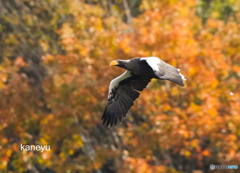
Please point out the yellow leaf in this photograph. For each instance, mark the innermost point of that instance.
(196, 108)
(187, 153)
(185, 134)
(215, 83)
(174, 91)
(61, 155)
(194, 143)
(9, 152)
(191, 71)
(212, 112)
(71, 152)
(97, 165)
(4, 140)
(43, 141)
(206, 153)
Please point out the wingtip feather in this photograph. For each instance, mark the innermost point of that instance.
(183, 77)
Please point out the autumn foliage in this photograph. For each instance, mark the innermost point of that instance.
(169, 129)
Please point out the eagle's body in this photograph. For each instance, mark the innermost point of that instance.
(140, 68)
(123, 90)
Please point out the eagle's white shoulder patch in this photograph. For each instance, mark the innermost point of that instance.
(152, 62)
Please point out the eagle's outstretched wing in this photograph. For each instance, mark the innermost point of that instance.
(123, 91)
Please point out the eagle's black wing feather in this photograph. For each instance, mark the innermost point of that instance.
(122, 98)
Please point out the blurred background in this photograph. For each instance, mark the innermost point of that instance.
(54, 78)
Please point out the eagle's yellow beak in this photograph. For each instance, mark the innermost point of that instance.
(113, 63)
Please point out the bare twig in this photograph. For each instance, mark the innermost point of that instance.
(127, 11)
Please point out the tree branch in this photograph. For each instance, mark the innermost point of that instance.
(127, 12)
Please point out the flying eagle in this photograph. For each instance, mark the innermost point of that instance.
(123, 90)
